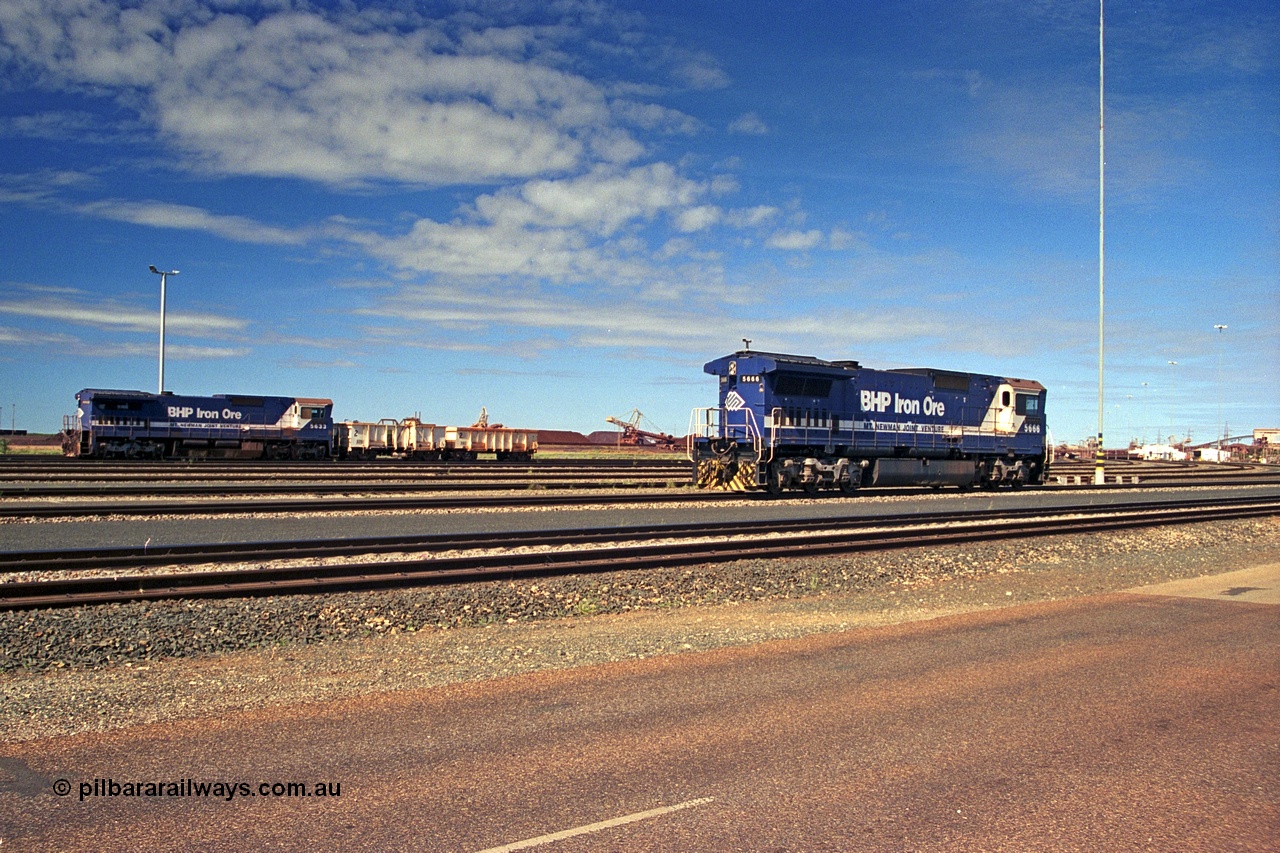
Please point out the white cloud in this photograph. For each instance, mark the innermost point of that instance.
(698, 218)
(41, 188)
(188, 352)
(623, 323)
(28, 338)
(795, 241)
(753, 217)
(164, 215)
(340, 98)
(578, 321)
(656, 118)
(80, 126)
(50, 190)
(841, 239)
(113, 316)
(750, 124)
(703, 73)
(557, 230)
(356, 99)
(601, 202)
(486, 249)
(298, 95)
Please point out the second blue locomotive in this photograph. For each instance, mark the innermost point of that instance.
(796, 422)
(135, 424)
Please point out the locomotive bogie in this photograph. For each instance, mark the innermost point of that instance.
(799, 423)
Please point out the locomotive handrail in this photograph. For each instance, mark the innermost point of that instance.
(702, 426)
(774, 417)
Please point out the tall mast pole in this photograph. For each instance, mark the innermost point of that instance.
(1099, 472)
(164, 275)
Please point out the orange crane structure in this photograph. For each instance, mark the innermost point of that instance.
(633, 436)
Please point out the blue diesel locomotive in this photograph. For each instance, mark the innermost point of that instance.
(136, 424)
(797, 422)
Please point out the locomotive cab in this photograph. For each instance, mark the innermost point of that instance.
(1016, 403)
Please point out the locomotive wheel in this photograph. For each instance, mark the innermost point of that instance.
(776, 484)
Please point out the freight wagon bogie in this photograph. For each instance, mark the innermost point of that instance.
(789, 423)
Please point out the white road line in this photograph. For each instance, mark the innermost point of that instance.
(596, 827)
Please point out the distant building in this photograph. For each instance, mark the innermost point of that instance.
(1266, 445)
(1213, 454)
(1162, 452)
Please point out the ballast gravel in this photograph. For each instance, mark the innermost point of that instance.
(65, 671)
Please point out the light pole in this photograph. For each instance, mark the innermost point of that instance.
(1144, 413)
(163, 277)
(1219, 427)
(1128, 417)
(1173, 406)
(1099, 473)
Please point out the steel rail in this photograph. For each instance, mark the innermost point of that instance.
(632, 555)
(1223, 473)
(46, 482)
(551, 483)
(373, 500)
(296, 506)
(281, 486)
(65, 468)
(337, 473)
(79, 559)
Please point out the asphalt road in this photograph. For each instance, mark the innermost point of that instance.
(1133, 721)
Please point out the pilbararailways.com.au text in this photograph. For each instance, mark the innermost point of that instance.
(197, 789)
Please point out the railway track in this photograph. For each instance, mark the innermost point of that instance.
(348, 499)
(59, 480)
(55, 481)
(1183, 473)
(24, 483)
(434, 559)
(380, 486)
(511, 498)
(59, 468)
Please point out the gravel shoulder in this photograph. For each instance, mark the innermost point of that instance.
(67, 672)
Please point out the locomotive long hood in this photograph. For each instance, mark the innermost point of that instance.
(753, 362)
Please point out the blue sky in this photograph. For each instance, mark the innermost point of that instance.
(561, 210)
